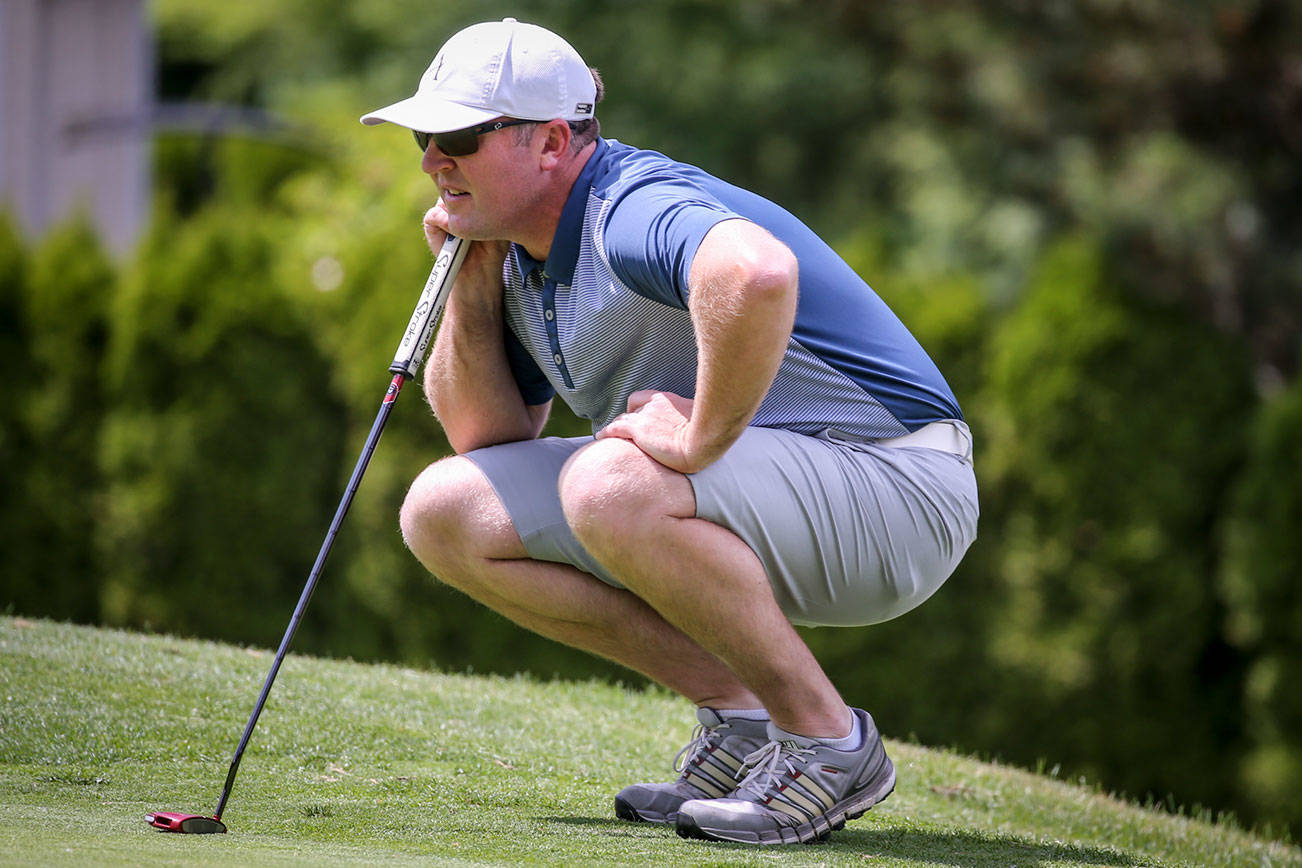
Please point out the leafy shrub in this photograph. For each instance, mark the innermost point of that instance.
(1115, 430)
(1261, 580)
(221, 449)
(55, 306)
(16, 582)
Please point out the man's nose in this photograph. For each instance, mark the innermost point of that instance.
(434, 160)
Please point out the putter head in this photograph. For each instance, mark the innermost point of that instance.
(188, 824)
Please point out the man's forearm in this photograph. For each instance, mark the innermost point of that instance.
(742, 311)
(469, 384)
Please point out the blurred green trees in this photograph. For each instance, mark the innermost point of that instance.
(55, 305)
(223, 442)
(1087, 212)
(1113, 473)
(1260, 576)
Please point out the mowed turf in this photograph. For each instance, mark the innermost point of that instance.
(370, 764)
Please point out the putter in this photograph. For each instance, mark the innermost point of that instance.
(411, 351)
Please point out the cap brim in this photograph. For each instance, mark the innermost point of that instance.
(429, 115)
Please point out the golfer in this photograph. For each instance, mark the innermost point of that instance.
(770, 445)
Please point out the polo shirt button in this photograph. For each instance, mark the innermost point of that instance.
(551, 314)
(557, 358)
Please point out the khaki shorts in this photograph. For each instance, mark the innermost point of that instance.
(849, 533)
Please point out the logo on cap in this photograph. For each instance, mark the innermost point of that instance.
(583, 108)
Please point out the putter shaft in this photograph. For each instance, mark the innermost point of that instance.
(411, 351)
(377, 428)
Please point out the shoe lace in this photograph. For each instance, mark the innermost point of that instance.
(763, 767)
(702, 739)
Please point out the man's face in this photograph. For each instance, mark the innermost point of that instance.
(487, 193)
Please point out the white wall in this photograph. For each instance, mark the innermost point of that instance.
(75, 110)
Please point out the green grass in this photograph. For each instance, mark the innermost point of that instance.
(384, 765)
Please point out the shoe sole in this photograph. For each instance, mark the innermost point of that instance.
(815, 831)
(625, 811)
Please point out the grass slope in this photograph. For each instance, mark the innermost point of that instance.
(383, 765)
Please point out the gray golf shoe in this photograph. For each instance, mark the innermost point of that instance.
(796, 790)
(710, 768)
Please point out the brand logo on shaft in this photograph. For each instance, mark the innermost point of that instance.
(417, 318)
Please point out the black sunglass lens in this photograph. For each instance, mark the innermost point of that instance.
(458, 143)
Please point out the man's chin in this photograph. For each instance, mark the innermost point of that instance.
(472, 231)
(465, 228)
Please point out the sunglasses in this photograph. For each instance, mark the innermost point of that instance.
(462, 143)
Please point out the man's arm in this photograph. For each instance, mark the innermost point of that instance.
(742, 297)
(468, 381)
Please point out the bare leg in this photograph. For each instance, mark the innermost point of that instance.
(637, 518)
(454, 523)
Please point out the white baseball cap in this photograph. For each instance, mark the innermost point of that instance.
(493, 69)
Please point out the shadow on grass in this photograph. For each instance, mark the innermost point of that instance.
(969, 849)
(612, 828)
(961, 849)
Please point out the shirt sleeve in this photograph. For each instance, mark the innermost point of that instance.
(534, 387)
(652, 234)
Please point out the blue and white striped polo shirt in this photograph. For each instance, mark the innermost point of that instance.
(606, 314)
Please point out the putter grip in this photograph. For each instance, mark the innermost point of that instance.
(415, 340)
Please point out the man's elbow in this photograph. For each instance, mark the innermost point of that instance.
(468, 431)
(771, 275)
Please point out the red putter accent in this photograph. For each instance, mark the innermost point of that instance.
(404, 365)
(394, 388)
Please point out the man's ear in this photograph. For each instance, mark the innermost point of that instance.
(556, 143)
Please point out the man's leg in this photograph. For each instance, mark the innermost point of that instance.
(457, 527)
(823, 764)
(637, 518)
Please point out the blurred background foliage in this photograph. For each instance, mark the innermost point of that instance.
(1087, 211)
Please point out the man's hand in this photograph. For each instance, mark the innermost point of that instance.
(660, 424)
(483, 264)
(743, 288)
(468, 381)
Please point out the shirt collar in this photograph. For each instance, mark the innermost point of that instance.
(564, 253)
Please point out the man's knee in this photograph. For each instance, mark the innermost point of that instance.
(609, 486)
(451, 514)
